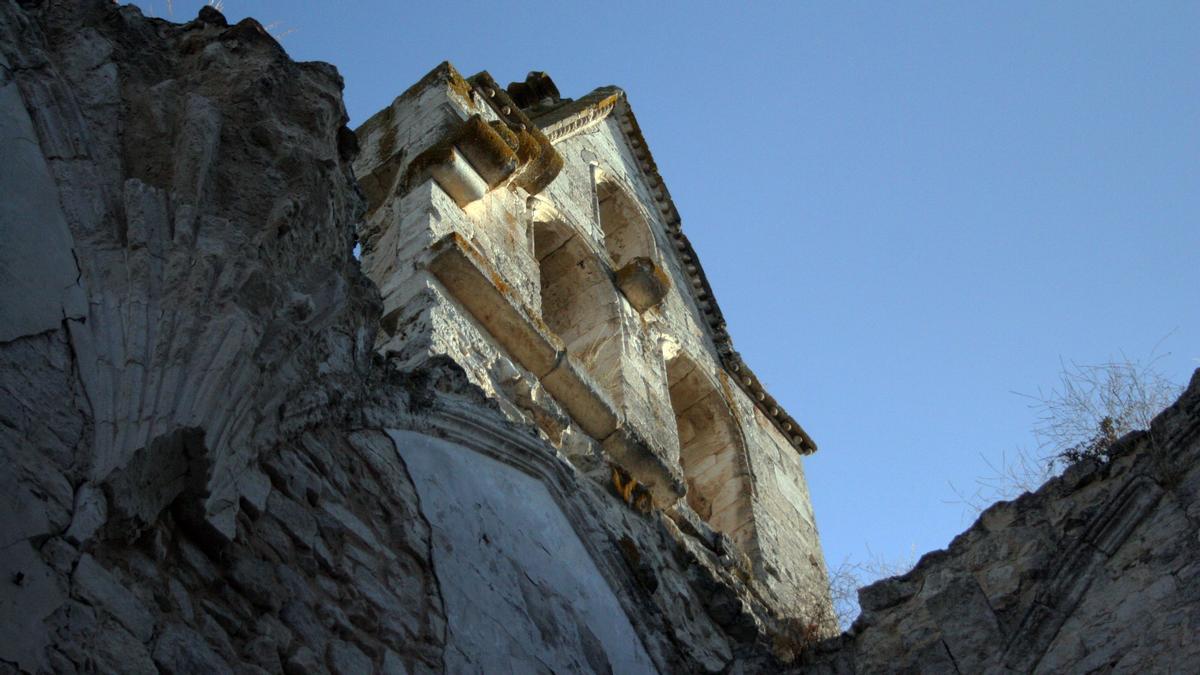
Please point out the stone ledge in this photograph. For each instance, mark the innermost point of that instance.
(479, 287)
(482, 291)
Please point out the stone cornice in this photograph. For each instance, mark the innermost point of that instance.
(574, 117)
(569, 119)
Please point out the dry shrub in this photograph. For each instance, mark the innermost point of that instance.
(847, 578)
(1092, 407)
(1095, 405)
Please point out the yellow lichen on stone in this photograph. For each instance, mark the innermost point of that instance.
(488, 152)
(630, 490)
(486, 149)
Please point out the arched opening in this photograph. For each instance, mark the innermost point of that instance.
(626, 233)
(580, 303)
(711, 453)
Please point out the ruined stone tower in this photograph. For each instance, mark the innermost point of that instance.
(530, 239)
(528, 446)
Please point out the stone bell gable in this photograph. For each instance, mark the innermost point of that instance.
(528, 446)
(531, 239)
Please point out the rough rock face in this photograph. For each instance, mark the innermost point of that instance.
(207, 468)
(185, 235)
(1098, 571)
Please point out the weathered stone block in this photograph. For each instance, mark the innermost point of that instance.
(643, 283)
(92, 582)
(346, 659)
(180, 651)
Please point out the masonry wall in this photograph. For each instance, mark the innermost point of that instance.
(1098, 571)
(572, 193)
(208, 467)
(552, 257)
(785, 543)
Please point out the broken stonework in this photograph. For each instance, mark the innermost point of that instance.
(1098, 571)
(581, 287)
(227, 450)
(209, 468)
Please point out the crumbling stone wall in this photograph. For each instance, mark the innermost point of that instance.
(1098, 571)
(207, 467)
(568, 305)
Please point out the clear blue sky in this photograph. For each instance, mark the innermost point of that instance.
(908, 211)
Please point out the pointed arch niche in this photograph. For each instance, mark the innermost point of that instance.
(580, 303)
(711, 452)
(627, 235)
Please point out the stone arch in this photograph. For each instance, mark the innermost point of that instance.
(627, 234)
(711, 452)
(579, 302)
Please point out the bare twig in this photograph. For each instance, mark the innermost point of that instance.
(1092, 406)
(1007, 477)
(1095, 405)
(277, 31)
(846, 579)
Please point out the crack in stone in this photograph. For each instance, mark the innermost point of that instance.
(953, 661)
(444, 637)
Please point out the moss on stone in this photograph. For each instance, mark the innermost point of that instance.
(487, 151)
(540, 162)
(458, 84)
(442, 73)
(494, 149)
(510, 137)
